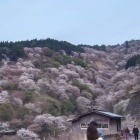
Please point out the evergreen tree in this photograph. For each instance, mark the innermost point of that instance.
(133, 61)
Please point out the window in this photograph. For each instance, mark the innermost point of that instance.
(84, 126)
(101, 125)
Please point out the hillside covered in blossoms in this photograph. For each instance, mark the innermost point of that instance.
(44, 84)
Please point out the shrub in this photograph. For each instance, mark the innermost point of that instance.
(51, 63)
(52, 129)
(94, 66)
(94, 95)
(6, 112)
(48, 52)
(49, 105)
(45, 64)
(80, 62)
(62, 59)
(28, 96)
(57, 57)
(37, 77)
(54, 64)
(67, 107)
(15, 123)
(10, 86)
(86, 95)
(128, 88)
(37, 63)
(66, 59)
(22, 111)
(80, 86)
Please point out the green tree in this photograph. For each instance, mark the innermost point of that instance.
(133, 61)
(22, 111)
(80, 86)
(6, 112)
(28, 96)
(48, 52)
(80, 62)
(67, 107)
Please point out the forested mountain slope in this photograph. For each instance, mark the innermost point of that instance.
(64, 79)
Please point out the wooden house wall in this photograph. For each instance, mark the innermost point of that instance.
(114, 125)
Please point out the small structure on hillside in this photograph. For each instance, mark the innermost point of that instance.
(5, 130)
(110, 123)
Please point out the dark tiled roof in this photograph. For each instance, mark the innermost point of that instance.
(109, 114)
(104, 113)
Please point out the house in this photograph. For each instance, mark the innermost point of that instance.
(110, 123)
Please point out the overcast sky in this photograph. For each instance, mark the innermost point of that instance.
(76, 21)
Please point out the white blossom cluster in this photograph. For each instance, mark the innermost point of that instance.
(49, 120)
(33, 52)
(26, 82)
(26, 134)
(32, 107)
(4, 125)
(4, 97)
(17, 101)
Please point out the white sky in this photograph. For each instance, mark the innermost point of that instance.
(76, 21)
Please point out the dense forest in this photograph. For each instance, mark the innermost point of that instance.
(14, 50)
(97, 47)
(50, 43)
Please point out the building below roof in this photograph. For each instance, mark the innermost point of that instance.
(109, 122)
